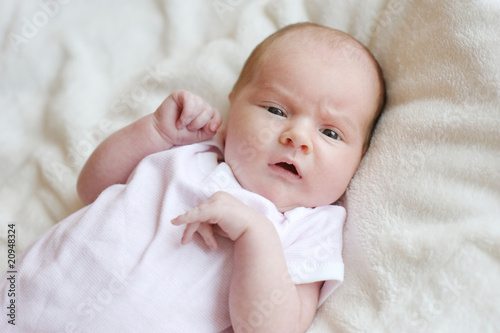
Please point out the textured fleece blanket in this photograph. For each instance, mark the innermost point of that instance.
(422, 237)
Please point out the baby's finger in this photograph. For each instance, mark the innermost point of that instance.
(207, 233)
(218, 230)
(216, 121)
(192, 106)
(191, 228)
(202, 213)
(201, 120)
(191, 216)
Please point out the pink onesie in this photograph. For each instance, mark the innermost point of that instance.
(117, 265)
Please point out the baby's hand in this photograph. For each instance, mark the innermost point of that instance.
(185, 118)
(221, 213)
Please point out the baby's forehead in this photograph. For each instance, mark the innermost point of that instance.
(331, 45)
(334, 49)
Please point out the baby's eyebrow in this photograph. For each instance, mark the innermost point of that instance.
(275, 90)
(329, 114)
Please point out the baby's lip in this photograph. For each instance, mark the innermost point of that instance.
(290, 166)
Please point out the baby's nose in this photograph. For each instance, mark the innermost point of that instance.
(298, 139)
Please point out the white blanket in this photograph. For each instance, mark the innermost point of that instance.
(422, 238)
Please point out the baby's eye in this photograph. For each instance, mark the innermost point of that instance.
(331, 134)
(275, 111)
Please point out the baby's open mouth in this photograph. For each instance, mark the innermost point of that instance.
(289, 167)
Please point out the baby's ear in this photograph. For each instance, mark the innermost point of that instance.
(230, 96)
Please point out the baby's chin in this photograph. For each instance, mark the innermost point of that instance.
(285, 202)
(281, 203)
(287, 205)
(284, 206)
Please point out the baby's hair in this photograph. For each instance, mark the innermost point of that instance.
(350, 46)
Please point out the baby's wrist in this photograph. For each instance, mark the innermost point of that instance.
(256, 227)
(165, 140)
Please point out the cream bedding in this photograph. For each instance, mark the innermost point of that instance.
(422, 238)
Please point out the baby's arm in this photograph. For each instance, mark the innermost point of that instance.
(263, 297)
(183, 118)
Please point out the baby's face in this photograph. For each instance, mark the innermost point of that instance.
(296, 131)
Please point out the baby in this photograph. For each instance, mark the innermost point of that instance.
(261, 235)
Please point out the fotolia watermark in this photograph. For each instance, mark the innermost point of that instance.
(223, 7)
(94, 305)
(263, 310)
(31, 26)
(121, 108)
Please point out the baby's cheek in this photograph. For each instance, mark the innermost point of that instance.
(330, 187)
(263, 134)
